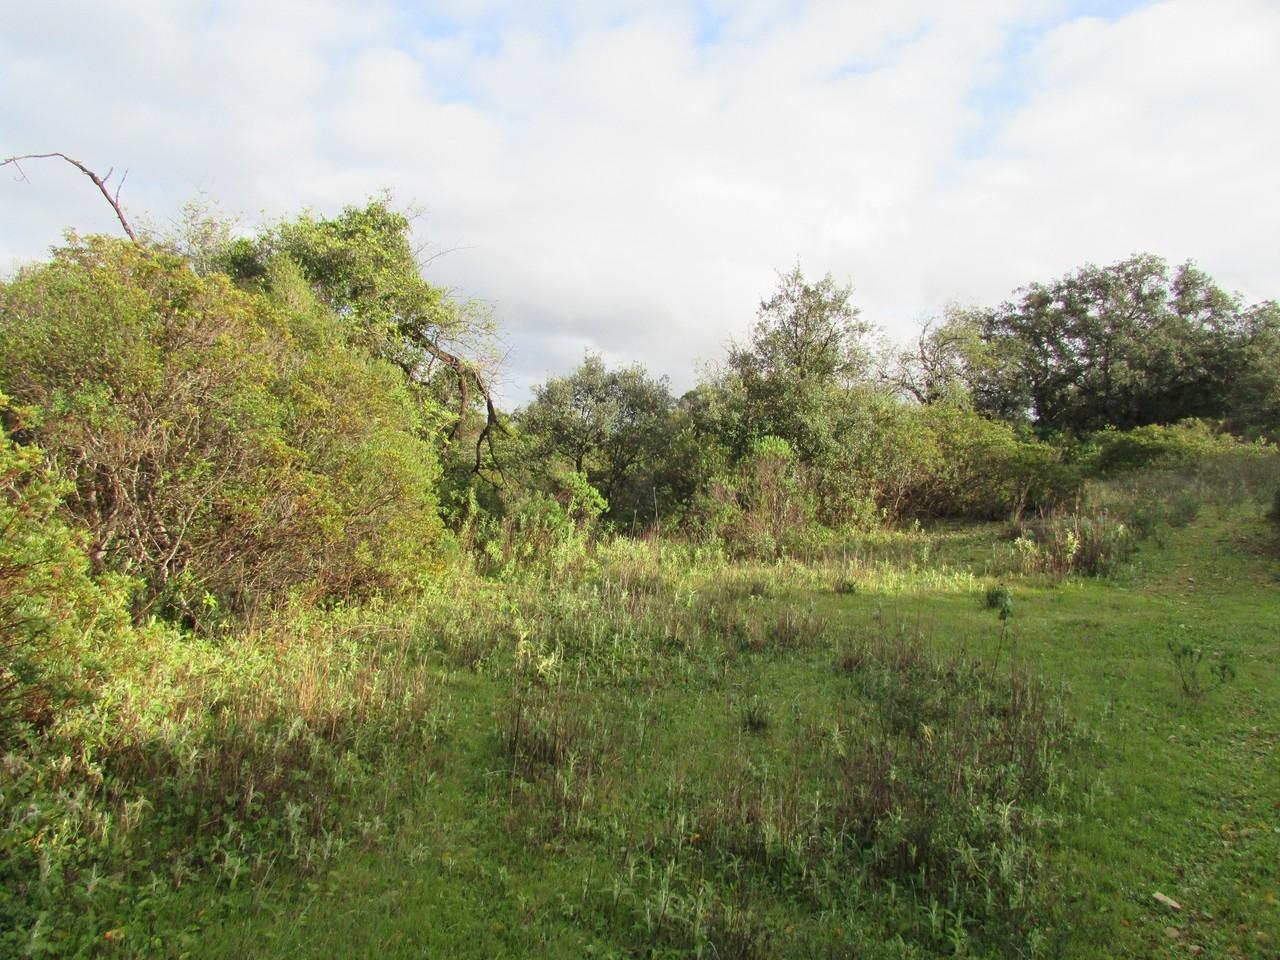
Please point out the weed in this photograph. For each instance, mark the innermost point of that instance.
(1188, 662)
(998, 597)
(1096, 546)
(755, 716)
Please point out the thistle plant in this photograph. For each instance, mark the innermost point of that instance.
(1188, 662)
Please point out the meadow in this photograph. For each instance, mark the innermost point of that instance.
(307, 649)
(952, 740)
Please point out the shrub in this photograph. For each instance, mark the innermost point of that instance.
(1159, 446)
(221, 447)
(942, 460)
(1096, 546)
(999, 598)
(764, 510)
(54, 618)
(549, 533)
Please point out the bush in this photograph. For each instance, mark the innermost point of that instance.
(998, 597)
(942, 460)
(764, 510)
(54, 619)
(1159, 447)
(221, 447)
(549, 533)
(1094, 546)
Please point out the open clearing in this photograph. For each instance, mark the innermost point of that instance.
(667, 802)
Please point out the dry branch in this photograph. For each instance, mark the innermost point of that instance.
(99, 182)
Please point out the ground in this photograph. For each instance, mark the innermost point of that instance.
(562, 817)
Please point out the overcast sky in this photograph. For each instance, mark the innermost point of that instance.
(628, 177)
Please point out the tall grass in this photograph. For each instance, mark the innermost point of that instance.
(203, 758)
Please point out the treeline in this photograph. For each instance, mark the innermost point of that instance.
(810, 427)
(228, 421)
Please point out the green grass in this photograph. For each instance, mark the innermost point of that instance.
(1165, 793)
(670, 755)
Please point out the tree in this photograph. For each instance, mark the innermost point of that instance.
(939, 364)
(806, 345)
(1123, 345)
(609, 425)
(1254, 395)
(362, 265)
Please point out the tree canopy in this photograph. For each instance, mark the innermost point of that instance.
(1124, 345)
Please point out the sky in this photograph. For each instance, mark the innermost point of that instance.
(629, 178)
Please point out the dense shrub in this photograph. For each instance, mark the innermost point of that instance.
(1159, 447)
(764, 509)
(545, 532)
(939, 460)
(221, 446)
(54, 618)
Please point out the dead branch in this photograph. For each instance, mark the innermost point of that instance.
(467, 377)
(99, 182)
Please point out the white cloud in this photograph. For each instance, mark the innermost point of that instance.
(617, 180)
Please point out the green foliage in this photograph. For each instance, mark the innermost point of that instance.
(551, 533)
(1254, 396)
(217, 443)
(611, 426)
(1096, 546)
(928, 780)
(54, 618)
(806, 344)
(204, 762)
(1156, 446)
(763, 509)
(362, 265)
(1000, 599)
(256, 453)
(1122, 346)
(939, 460)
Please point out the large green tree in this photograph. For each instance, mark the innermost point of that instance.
(1123, 345)
(613, 426)
(1254, 393)
(362, 265)
(807, 345)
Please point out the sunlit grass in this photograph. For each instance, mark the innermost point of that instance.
(668, 753)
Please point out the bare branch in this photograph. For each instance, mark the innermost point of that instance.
(468, 377)
(99, 182)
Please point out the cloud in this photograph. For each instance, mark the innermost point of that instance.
(627, 177)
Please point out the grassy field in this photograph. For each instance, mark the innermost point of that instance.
(673, 755)
(980, 740)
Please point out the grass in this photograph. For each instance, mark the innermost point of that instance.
(672, 755)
